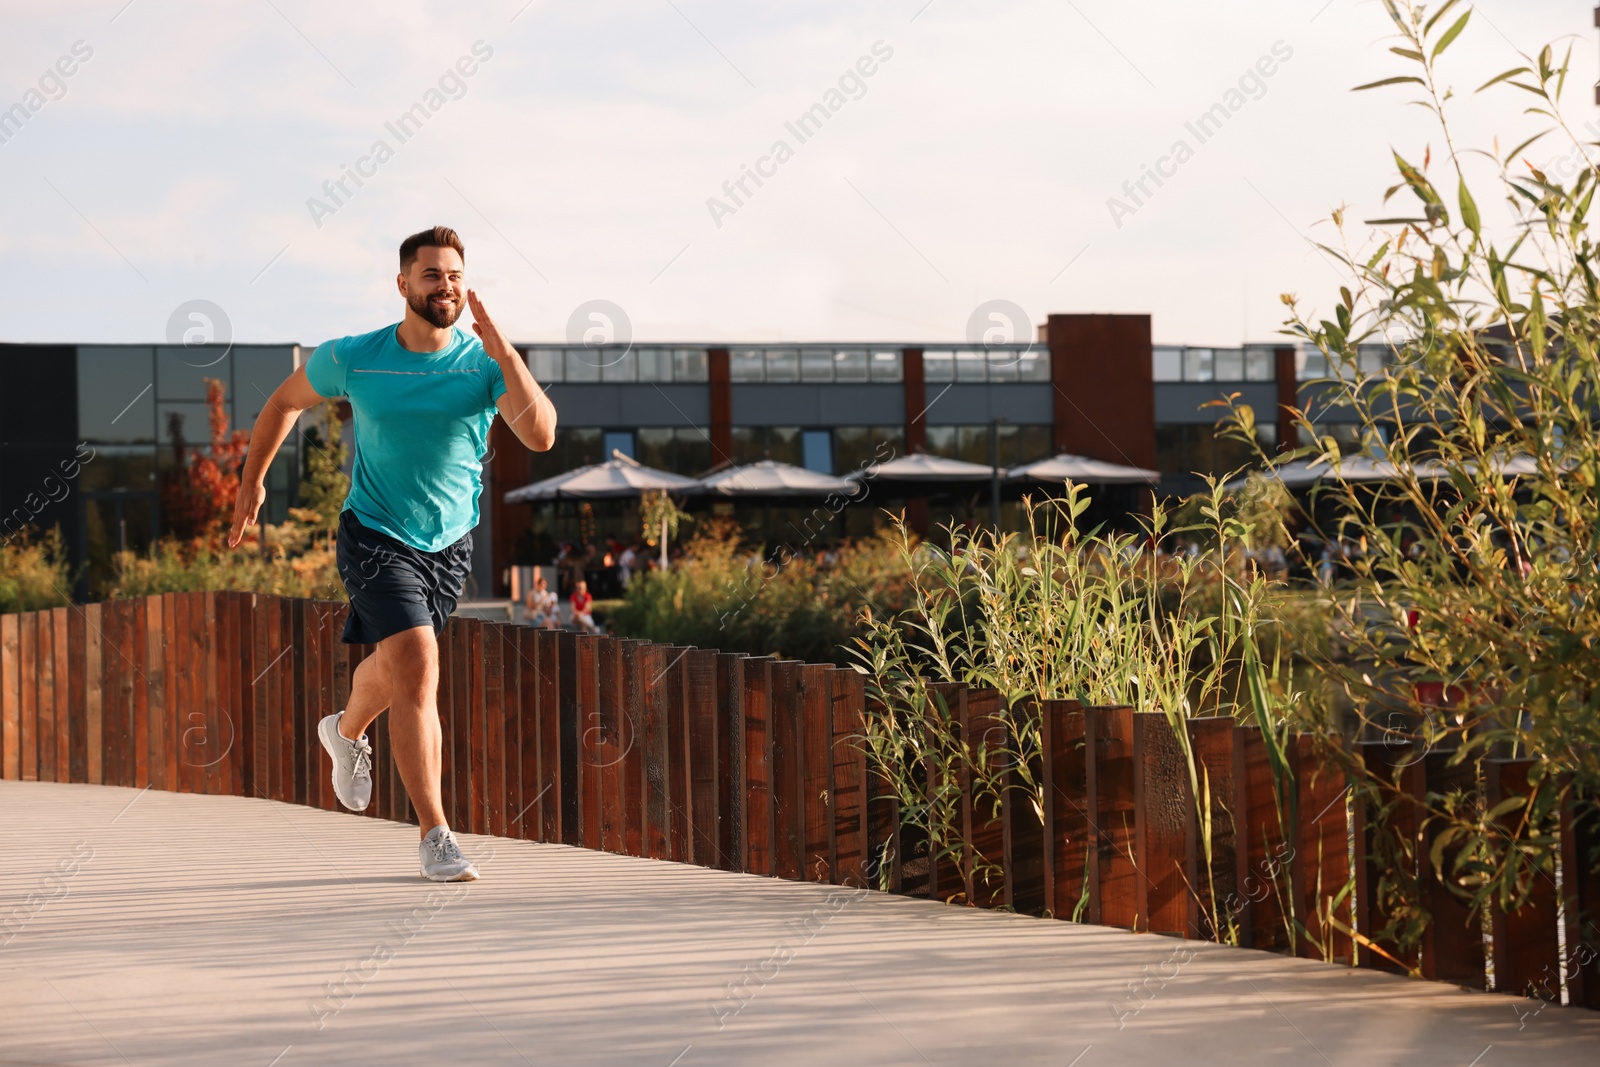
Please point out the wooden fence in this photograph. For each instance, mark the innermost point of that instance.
(754, 764)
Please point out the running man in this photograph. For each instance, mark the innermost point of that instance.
(423, 395)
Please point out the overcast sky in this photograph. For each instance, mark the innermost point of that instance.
(976, 162)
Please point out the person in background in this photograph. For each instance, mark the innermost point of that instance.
(583, 607)
(544, 609)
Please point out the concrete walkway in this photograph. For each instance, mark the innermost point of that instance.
(216, 930)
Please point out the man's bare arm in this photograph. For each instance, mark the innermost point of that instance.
(274, 423)
(524, 405)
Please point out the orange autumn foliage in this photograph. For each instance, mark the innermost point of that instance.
(198, 490)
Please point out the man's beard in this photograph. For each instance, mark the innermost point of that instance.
(438, 316)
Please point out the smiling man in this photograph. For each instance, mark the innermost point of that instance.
(423, 394)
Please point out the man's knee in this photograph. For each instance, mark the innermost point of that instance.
(412, 660)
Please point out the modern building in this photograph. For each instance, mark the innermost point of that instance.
(1093, 385)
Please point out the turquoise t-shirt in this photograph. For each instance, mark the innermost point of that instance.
(421, 429)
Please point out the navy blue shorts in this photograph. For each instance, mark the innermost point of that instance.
(395, 587)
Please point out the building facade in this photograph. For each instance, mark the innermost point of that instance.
(1093, 385)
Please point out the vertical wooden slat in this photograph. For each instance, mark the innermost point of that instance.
(477, 725)
(949, 863)
(459, 741)
(984, 815)
(704, 769)
(731, 797)
(586, 717)
(150, 699)
(10, 698)
(1393, 775)
(759, 829)
(1071, 840)
(1163, 803)
(284, 671)
(603, 743)
(1320, 870)
(631, 769)
(552, 790)
(1264, 849)
(657, 828)
(116, 702)
(206, 634)
(93, 692)
(815, 731)
(302, 674)
(1026, 850)
(884, 844)
(45, 682)
(28, 693)
(525, 821)
(1527, 949)
(1215, 878)
(847, 785)
(677, 755)
(60, 623)
(1452, 944)
(787, 770)
(570, 730)
(496, 791)
(1112, 780)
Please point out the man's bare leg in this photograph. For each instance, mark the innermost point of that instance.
(369, 698)
(410, 662)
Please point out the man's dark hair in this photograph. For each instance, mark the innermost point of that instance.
(438, 237)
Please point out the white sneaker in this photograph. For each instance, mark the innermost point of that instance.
(352, 763)
(442, 860)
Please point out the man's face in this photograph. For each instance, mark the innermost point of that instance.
(433, 285)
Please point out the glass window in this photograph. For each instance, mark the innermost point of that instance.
(1003, 364)
(816, 364)
(888, 442)
(972, 444)
(618, 441)
(1166, 363)
(942, 441)
(1035, 442)
(852, 447)
(938, 365)
(749, 444)
(1034, 366)
(655, 447)
(1229, 364)
(119, 467)
(116, 395)
(193, 421)
(783, 445)
(747, 365)
(1260, 364)
(655, 364)
(1309, 363)
(1373, 358)
(817, 451)
(783, 365)
(546, 364)
(583, 364)
(583, 448)
(887, 365)
(1198, 365)
(257, 373)
(1169, 448)
(970, 366)
(693, 452)
(689, 365)
(618, 365)
(850, 365)
(181, 373)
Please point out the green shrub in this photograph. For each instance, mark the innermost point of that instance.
(34, 572)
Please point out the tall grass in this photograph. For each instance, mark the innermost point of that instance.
(1103, 618)
(34, 572)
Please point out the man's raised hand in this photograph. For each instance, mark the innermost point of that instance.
(494, 342)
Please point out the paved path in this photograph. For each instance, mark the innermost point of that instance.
(244, 933)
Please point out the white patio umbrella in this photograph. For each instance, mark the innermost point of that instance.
(620, 476)
(1303, 473)
(770, 478)
(1083, 470)
(921, 467)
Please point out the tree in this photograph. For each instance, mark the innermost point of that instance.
(198, 490)
(325, 485)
